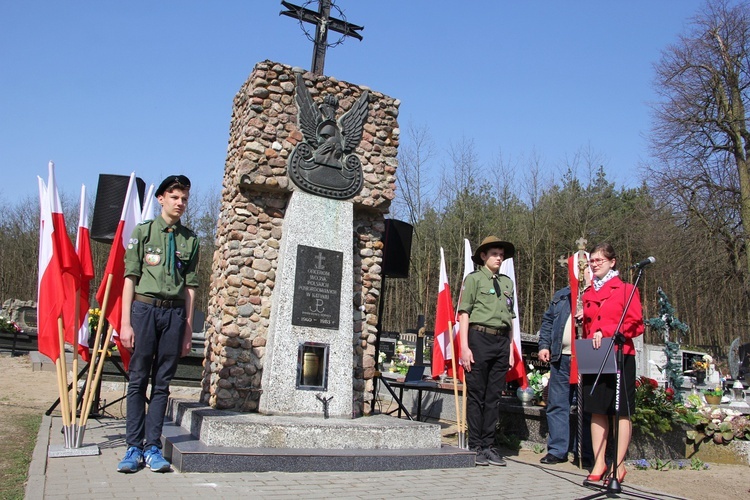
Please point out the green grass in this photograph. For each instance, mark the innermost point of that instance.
(17, 440)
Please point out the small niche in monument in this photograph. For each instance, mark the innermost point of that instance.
(312, 366)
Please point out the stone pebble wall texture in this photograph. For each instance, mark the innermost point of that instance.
(256, 190)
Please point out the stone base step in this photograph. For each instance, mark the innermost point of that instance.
(200, 439)
(188, 454)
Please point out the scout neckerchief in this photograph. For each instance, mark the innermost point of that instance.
(171, 249)
(496, 285)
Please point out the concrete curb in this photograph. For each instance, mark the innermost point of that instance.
(36, 482)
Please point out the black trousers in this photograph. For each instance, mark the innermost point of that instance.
(158, 342)
(485, 383)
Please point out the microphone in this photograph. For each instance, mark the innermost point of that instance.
(643, 263)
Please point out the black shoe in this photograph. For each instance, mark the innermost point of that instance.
(493, 457)
(480, 458)
(550, 459)
(586, 463)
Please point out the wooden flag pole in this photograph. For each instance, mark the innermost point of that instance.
(62, 372)
(464, 428)
(98, 375)
(76, 328)
(97, 353)
(455, 381)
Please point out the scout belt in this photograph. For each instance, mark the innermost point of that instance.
(488, 329)
(165, 303)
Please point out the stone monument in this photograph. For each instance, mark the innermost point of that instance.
(297, 267)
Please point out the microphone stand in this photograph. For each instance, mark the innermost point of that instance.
(613, 486)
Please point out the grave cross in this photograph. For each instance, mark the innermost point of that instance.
(323, 23)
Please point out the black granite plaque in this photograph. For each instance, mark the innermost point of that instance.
(317, 288)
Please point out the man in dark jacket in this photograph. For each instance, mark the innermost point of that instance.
(555, 338)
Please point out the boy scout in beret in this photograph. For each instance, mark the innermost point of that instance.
(161, 261)
(485, 321)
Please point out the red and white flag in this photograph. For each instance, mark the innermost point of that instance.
(518, 370)
(50, 299)
(444, 317)
(70, 265)
(83, 249)
(131, 217)
(573, 277)
(59, 270)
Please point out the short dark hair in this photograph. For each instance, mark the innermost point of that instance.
(607, 250)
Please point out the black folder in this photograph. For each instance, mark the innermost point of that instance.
(590, 359)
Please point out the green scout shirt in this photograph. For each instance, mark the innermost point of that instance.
(146, 260)
(480, 301)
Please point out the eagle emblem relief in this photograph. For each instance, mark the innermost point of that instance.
(324, 163)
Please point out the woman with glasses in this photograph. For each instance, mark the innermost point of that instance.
(603, 305)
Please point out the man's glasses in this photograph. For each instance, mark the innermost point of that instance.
(598, 262)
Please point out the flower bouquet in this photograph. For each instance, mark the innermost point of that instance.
(701, 367)
(403, 359)
(8, 326)
(703, 364)
(538, 381)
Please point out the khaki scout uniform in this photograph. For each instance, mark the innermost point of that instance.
(490, 325)
(480, 300)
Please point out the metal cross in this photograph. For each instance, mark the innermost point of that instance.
(323, 23)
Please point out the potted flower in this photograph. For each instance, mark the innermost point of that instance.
(713, 396)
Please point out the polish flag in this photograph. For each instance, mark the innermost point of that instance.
(59, 269)
(83, 249)
(573, 277)
(50, 297)
(444, 315)
(70, 265)
(518, 370)
(130, 218)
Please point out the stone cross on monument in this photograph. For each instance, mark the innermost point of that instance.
(323, 23)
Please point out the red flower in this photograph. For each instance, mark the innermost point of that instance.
(670, 393)
(653, 383)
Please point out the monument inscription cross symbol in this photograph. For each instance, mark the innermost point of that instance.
(323, 23)
(319, 258)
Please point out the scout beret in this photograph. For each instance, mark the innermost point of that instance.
(180, 180)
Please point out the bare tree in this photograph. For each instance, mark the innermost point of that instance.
(700, 134)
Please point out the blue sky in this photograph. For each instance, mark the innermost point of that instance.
(147, 86)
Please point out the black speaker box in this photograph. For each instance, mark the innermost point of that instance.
(397, 248)
(110, 197)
